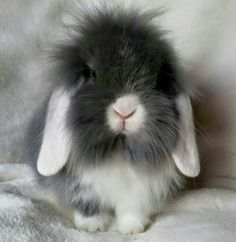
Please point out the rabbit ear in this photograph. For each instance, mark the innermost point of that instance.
(56, 143)
(186, 154)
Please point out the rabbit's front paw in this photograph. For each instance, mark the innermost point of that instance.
(92, 223)
(131, 224)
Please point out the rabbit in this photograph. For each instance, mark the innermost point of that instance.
(116, 133)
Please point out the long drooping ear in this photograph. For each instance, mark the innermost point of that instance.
(186, 153)
(56, 142)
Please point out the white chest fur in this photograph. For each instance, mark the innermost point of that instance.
(122, 185)
(133, 193)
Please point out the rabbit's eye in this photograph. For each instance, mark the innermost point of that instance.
(88, 76)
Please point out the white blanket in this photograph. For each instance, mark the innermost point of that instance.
(206, 215)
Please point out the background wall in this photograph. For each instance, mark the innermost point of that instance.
(204, 34)
(25, 26)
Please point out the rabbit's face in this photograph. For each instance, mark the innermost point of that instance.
(125, 85)
(118, 92)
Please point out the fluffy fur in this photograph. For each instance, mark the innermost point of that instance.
(116, 60)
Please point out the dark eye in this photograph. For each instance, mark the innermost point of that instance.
(89, 75)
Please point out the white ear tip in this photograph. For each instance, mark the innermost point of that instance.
(188, 168)
(192, 172)
(45, 169)
(195, 172)
(44, 172)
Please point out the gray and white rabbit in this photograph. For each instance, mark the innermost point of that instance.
(117, 130)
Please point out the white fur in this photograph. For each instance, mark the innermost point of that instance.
(92, 224)
(186, 154)
(56, 139)
(126, 105)
(134, 194)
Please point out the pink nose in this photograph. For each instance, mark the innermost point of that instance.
(124, 115)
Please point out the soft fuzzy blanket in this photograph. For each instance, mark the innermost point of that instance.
(206, 215)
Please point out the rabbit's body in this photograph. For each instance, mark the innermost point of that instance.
(116, 186)
(118, 122)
